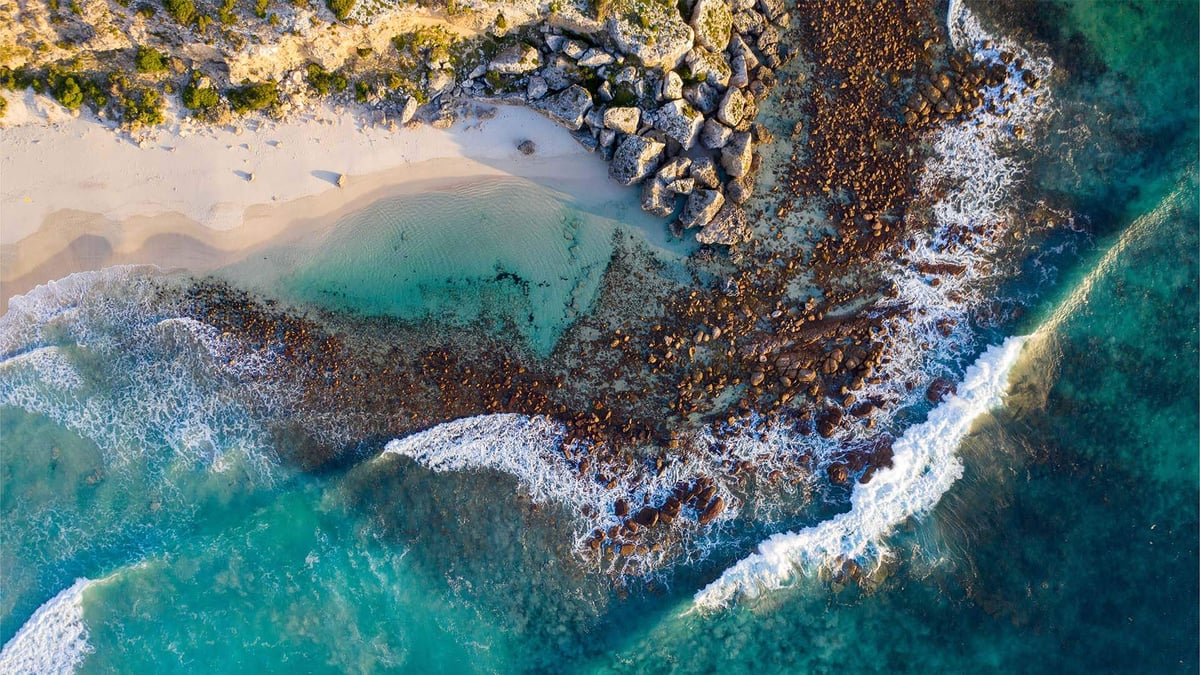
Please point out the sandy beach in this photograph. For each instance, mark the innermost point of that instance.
(77, 195)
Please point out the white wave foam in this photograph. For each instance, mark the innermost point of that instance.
(53, 640)
(110, 355)
(924, 466)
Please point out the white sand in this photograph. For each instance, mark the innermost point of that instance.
(76, 195)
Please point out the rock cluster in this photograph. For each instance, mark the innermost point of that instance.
(675, 115)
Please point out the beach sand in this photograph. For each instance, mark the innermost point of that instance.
(77, 195)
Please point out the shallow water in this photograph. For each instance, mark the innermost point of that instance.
(1068, 544)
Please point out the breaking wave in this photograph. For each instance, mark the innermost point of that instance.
(923, 468)
(54, 639)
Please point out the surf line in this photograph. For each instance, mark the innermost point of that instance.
(924, 466)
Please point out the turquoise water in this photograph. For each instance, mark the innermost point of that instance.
(1069, 544)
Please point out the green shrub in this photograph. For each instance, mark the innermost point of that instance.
(340, 8)
(260, 8)
(323, 81)
(149, 60)
(3, 106)
(226, 14)
(256, 96)
(361, 91)
(196, 97)
(184, 11)
(143, 107)
(69, 94)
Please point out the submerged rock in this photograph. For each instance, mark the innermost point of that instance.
(657, 199)
(730, 226)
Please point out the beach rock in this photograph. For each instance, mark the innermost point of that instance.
(672, 86)
(739, 72)
(628, 549)
(607, 137)
(527, 147)
(647, 517)
(703, 96)
(594, 58)
(536, 88)
(657, 200)
(940, 389)
(708, 66)
(555, 77)
(730, 226)
(732, 108)
(605, 91)
(682, 186)
(586, 139)
(839, 473)
(710, 512)
(516, 59)
(621, 508)
(567, 107)
(739, 190)
(737, 155)
(674, 169)
(680, 122)
(440, 81)
(712, 23)
(409, 110)
(636, 157)
(772, 8)
(341, 180)
(573, 48)
(701, 207)
(748, 24)
(715, 135)
(704, 170)
(657, 34)
(623, 119)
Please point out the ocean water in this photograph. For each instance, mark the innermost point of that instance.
(1045, 521)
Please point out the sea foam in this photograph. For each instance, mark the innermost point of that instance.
(923, 467)
(53, 640)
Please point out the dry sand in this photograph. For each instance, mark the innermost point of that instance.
(76, 195)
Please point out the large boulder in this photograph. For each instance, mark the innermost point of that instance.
(715, 135)
(713, 22)
(708, 66)
(657, 199)
(674, 169)
(623, 119)
(732, 108)
(704, 171)
(654, 32)
(737, 154)
(701, 207)
(594, 58)
(703, 97)
(680, 122)
(516, 59)
(728, 227)
(567, 107)
(672, 86)
(635, 158)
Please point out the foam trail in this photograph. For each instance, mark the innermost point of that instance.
(924, 467)
(54, 639)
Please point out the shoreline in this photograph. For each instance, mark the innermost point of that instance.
(168, 212)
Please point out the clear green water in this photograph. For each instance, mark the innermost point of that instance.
(1070, 545)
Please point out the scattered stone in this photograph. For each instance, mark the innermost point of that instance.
(636, 157)
(567, 107)
(680, 122)
(516, 59)
(623, 119)
(701, 207)
(527, 147)
(409, 110)
(341, 180)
